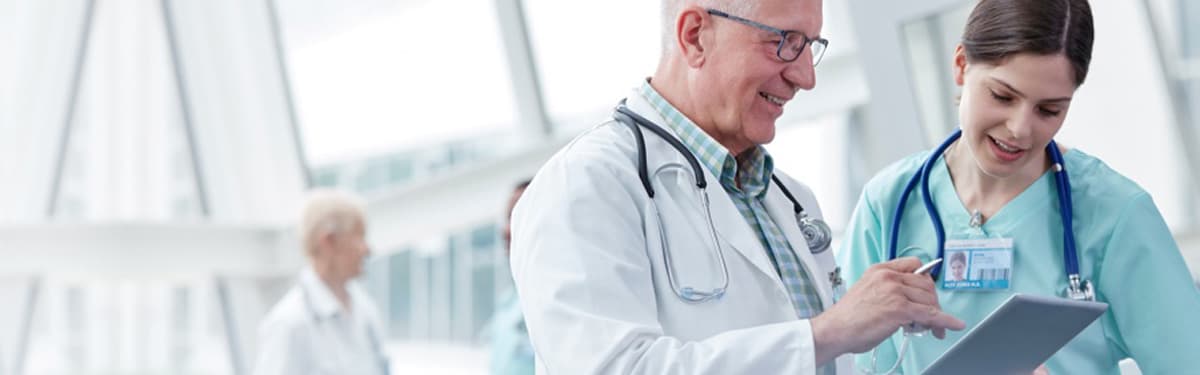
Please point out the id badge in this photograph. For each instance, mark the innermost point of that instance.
(978, 264)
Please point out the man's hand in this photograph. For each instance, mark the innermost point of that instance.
(887, 296)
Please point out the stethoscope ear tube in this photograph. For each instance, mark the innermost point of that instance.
(930, 207)
(894, 237)
(1067, 209)
(816, 233)
(667, 137)
(643, 171)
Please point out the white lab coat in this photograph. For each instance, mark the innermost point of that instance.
(588, 267)
(314, 335)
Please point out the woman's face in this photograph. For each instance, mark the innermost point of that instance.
(957, 268)
(1011, 110)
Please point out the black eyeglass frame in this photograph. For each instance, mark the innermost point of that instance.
(783, 37)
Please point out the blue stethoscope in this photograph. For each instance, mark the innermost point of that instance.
(816, 233)
(1077, 288)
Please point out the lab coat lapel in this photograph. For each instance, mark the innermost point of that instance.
(733, 229)
(782, 212)
(730, 226)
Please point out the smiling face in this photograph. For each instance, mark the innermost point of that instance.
(741, 85)
(957, 268)
(1011, 110)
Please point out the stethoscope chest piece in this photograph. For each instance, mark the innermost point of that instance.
(1079, 289)
(816, 233)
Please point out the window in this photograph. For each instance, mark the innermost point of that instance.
(811, 153)
(591, 53)
(401, 79)
(930, 45)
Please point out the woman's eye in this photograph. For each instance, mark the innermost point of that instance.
(1048, 112)
(1000, 98)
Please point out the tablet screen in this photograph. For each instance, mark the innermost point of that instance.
(1018, 336)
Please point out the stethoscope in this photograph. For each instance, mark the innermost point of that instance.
(816, 232)
(1077, 288)
(376, 343)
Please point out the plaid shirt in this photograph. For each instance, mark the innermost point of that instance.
(754, 174)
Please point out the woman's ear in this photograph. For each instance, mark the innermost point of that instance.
(960, 64)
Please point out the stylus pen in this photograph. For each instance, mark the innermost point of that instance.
(914, 328)
(927, 267)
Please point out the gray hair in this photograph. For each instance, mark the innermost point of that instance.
(326, 212)
(671, 9)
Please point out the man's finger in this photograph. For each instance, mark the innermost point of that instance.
(919, 281)
(935, 318)
(920, 295)
(905, 264)
(940, 333)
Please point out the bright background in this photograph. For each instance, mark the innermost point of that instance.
(154, 152)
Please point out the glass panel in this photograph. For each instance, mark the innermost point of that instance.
(930, 44)
(484, 237)
(483, 297)
(584, 70)
(1189, 14)
(420, 273)
(1189, 30)
(400, 301)
(439, 294)
(810, 152)
(384, 83)
(458, 317)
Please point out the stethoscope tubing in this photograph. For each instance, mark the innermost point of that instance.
(1062, 186)
(636, 122)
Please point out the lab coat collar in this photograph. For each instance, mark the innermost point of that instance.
(729, 223)
(321, 299)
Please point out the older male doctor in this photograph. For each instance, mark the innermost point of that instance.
(631, 259)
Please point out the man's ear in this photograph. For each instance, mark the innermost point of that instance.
(959, 64)
(693, 34)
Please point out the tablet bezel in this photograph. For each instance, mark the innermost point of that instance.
(992, 345)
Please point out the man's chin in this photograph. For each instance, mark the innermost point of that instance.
(761, 133)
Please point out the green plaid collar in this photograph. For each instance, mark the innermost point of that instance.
(755, 168)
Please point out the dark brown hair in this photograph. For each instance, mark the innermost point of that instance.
(998, 29)
(958, 257)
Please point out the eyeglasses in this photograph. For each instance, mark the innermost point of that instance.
(791, 43)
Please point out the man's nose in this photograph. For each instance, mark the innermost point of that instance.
(801, 74)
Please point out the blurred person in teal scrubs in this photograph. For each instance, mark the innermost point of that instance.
(512, 354)
(1019, 65)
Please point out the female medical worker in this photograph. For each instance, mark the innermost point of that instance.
(1019, 63)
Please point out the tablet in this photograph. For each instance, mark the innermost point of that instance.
(1018, 336)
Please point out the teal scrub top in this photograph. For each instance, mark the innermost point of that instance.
(512, 353)
(1125, 249)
